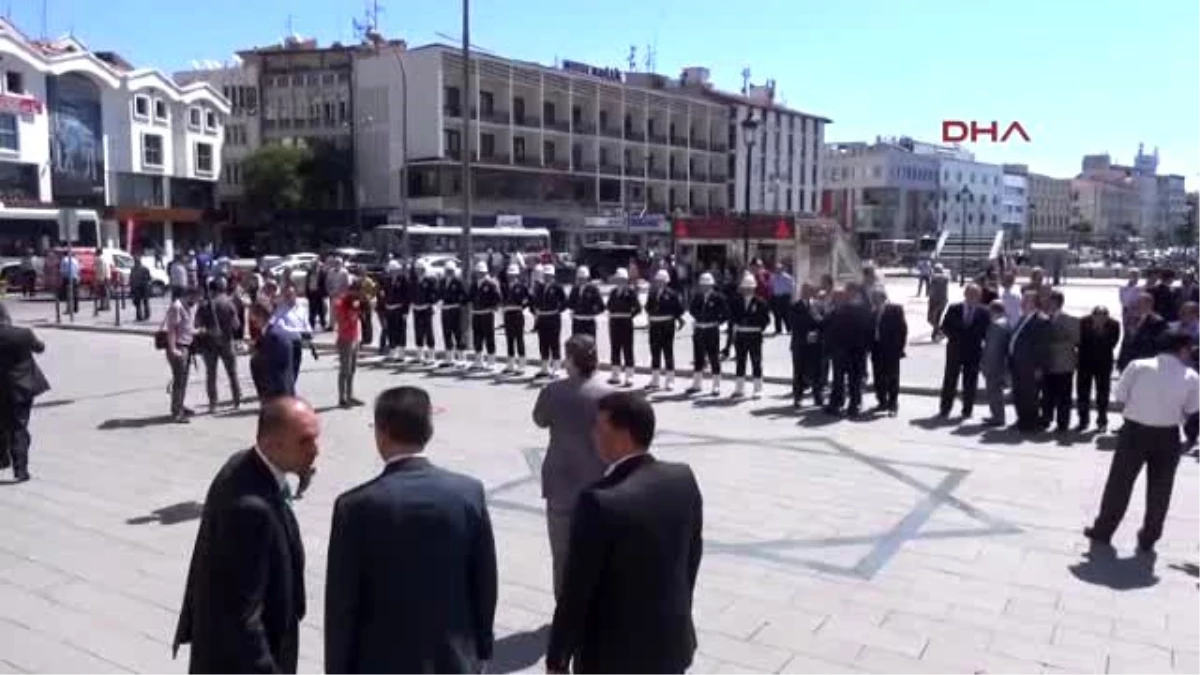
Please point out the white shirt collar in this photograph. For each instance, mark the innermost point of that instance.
(403, 456)
(280, 476)
(613, 467)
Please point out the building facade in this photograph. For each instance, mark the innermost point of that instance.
(970, 193)
(1105, 211)
(881, 190)
(87, 130)
(1014, 217)
(1049, 212)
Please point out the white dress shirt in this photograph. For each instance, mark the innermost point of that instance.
(1012, 305)
(613, 467)
(394, 459)
(1158, 392)
(289, 318)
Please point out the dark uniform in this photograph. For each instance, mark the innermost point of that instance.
(623, 305)
(749, 317)
(516, 299)
(424, 296)
(709, 311)
(395, 298)
(485, 300)
(453, 295)
(847, 337)
(548, 307)
(664, 308)
(807, 323)
(585, 304)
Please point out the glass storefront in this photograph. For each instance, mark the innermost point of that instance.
(76, 140)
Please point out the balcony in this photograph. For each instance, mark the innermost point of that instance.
(611, 132)
(718, 178)
(528, 160)
(659, 173)
(719, 146)
(610, 169)
(631, 135)
(699, 144)
(661, 139)
(699, 176)
(528, 121)
(502, 160)
(582, 127)
(452, 111)
(557, 163)
(494, 116)
(635, 170)
(656, 207)
(585, 167)
(679, 141)
(678, 174)
(559, 125)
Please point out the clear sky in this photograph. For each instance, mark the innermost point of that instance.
(1082, 77)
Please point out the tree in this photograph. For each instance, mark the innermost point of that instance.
(275, 180)
(327, 172)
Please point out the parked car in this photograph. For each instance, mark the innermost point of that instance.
(437, 262)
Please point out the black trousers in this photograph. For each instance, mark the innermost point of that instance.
(297, 355)
(549, 330)
(366, 315)
(14, 432)
(1025, 390)
(968, 369)
(397, 328)
(1191, 428)
(452, 337)
(807, 373)
(316, 310)
(584, 327)
(847, 374)
(886, 369)
(620, 341)
(1085, 377)
(69, 292)
(1137, 444)
(423, 328)
(1056, 399)
(662, 344)
(483, 332)
(780, 306)
(141, 305)
(748, 345)
(223, 354)
(706, 349)
(514, 333)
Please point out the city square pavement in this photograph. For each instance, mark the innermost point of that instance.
(893, 545)
(921, 371)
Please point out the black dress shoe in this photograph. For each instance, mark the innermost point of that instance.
(1090, 533)
(992, 422)
(20, 476)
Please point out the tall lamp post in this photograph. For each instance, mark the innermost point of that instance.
(749, 127)
(467, 253)
(964, 195)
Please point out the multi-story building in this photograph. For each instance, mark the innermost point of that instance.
(1105, 210)
(1049, 212)
(1014, 217)
(881, 190)
(970, 192)
(1171, 209)
(1161, 207)
(1188, 236)
(87, 130)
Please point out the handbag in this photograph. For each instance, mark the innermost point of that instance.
(160, 335)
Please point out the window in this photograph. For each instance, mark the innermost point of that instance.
(487, 102)
(548, 112)
(160, 111)
(548, 151)
(519, 149)
(152, 150)
(10, 136)
(487, 145)
(453, 142)
(204, 158)
(141, 106)
(14, 82)
(210, 120)
(452, 102)
(193, 118)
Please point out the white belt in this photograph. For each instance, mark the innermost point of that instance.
(747, 329)
(482, 312)
(620, 316)
(548, 313)
(586, 317)
(660, 319)
(393, 306)
(417, 308)
(451, 306)
(705, 325)
(514, 308)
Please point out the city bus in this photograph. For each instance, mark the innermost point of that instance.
(414, 241)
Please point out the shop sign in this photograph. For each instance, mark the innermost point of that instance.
(656, 223)
(21, 105)
(613, 74)
(754, 227)
(604, 222)
(506, 220)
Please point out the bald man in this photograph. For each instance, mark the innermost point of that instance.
(245, 589)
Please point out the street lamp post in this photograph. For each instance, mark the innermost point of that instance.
(963, 196)
(749, 127)
(468, 94)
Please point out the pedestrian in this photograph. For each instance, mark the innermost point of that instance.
(216, 324)
(1028, 358)
(1159, 394)
(710, 311)
(1098, 337)
(924, 272)
(101, 281)
(783, 286)
(1140, 340)
(347, 316)
(70, 276)
(847, 334)
(337, 282)
(315, 291)
(285, 312)
(939, 296)
(515, 301)
(368, 297)
(1129, 296)
(272, 357)
(889, 338)
(965, 326)
(664, 309)
(635, 547)
(1060, 371)
(623, 306)
(177, 274)
(548, 304)
(485, 298)
(425, 290)
(806, 325)
(749, 317)
(180, 328)
(244, 597)
(140, 290)
(994, 363)
(411, 576)
(393, 312)
(21, 382)
(453, 295)
(1010, 298)
(568, 409)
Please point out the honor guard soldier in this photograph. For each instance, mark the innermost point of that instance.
(749, 316)
(548, 307)
(623, 306)
(516, 299)
(585, 303)
(709, 310)
(394, 297)
(425, 290)
(537, 284)
(485, 300)
(454, 296)
(664, 309)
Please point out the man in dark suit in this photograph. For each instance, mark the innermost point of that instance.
(1028, 357)
(804, 320)
(245, 588)
(1141, 340)
(21, 381)
(1098, 337)
(635, 551)
(846, 341)
(964, 325)
(889, 337)
(272, 363)
(411, 579)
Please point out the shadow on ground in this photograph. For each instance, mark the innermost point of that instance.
(170, 515)
(1101, 566)
(519, 651)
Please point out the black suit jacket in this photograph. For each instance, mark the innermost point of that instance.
(411, 579)
(804, 323)
(848, 330)
(271, 364)
(889, 332)
(245, 587)
(20, 377)
(1142, 340)
(626, 604)
(1097, 344)
(1029, 348)
(964, 334)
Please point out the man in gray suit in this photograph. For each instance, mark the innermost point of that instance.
(568, 409)
(1060, 370)
(995, 362)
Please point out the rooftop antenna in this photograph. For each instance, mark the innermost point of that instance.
(650, 58)
(288, 27)
(746, 81)
(369, 26)
(45, 17)
(632, 60)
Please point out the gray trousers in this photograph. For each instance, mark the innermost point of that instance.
(179, 378)
(225, 355)
(347, 366)
(995, 395)
(558, 524)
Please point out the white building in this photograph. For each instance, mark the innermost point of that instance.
(238, 83)
(1014, 215)
(87, 130)
(881, 190)
(968, 189)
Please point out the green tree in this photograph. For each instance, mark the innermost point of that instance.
(275, 179)
(327, 172)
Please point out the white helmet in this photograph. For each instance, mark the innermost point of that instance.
(663, 276)
(582, 272)
(706, 279)
(481, 267)
(548, 270)
(427, 272)
(513, 271)
(622, 274)
(748, 281)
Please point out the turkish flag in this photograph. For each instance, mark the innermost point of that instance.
(782, 231)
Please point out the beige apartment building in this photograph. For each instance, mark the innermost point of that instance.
(1112, 209)
(1049, 208)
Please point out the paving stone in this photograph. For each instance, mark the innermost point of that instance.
(32, 651)
(878, 660)
(807, 664)
(1044, 653)
(757, 656)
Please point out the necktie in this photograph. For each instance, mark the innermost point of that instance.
(288, 497)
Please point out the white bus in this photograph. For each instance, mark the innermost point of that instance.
(418, 240)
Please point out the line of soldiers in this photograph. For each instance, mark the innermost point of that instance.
(419, 292)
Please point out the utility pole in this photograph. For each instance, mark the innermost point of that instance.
(468, 256)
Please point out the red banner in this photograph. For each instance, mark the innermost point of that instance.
(735, 227)
(20, 105)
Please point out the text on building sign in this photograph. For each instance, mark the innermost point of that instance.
(20, 105)
(613, 74)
